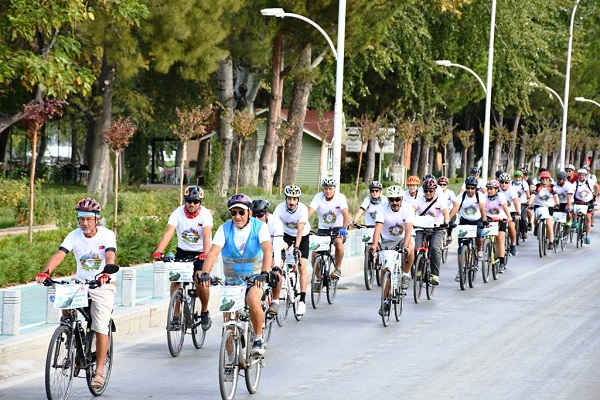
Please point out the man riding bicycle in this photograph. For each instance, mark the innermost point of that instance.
(584, 195)
(93, 247)
(514, 206)
(496, 207)
(243, 243)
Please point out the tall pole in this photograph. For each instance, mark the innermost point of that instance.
(563, 135)
(488, 98)
(339, 91)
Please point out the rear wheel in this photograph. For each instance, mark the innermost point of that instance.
(315, 282)
(419, 277)
(541, 238)
(429, 288)
(284, 300)
(486, 262)
(398, 304)
(253, 365)
(198, 334)
(228, 365)
(494, 259)
(331, 284)
(462, 266)
(385, 300)
(176, 323)
(60, 361)
(368, 268)
(91, 371)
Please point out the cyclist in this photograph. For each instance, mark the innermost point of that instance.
(332, 213)
(394, 226)
(527, 179)
(564, 190)
(260, 210)
(472, 212)
(571, 175)
(371, 204)
(93, 247)
(496, 206)
(584, 194)
(592, 179)
(436, 207)
(193, 224)
(296, 230)
(243, 243)
(452, 204)
(474, 172)
(438, 191)
(522, 189)
(410, 195)
(514, 207)
(544, 196)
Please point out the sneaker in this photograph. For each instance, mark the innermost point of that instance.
(550, 246)
(273, 309)
(205, 321)
(435, 280)
(587, 240)
(480, 255)
(535, 231)
(405, 282)
(457, 279)
(501, 268)
(386, 305)
(337, 273)
(301, 308)
(174, 323)
(524, 235)
(258, 347)
(529, 226)
(513, 250)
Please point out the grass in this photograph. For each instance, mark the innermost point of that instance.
(7, 218)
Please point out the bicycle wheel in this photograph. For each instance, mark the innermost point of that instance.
(90, 339)
(507, 254)
(486, 262)
(580, 227)
(462, 266)
(471, 276)
(572, 228)
(198, 334)
(294, 296)
(385, 300)
(331, 283)
(429, 288)
(284, 300)
(564, 236)
(494, 259)
(60, 361)
(228, 364)
(368, 268)
(267, 326)
(253, 364)
(541, 239)
(419, 280)
(316, 282)
(444, 252)
(398, 304)
(175, 331)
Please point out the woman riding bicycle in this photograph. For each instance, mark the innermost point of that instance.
(496, 208)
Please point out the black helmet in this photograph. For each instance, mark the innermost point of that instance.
(193, 193)
(561, 175)
(474, 171)
(471, 181)
(428, 176)
(498, 173)
(260, 206)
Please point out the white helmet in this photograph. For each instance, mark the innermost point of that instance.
(395, 191)
(582, 171)
(292, 191)
(328, 182)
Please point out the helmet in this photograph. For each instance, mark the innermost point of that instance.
(428, 176)
(498, 173)
(375, 185)
(292, 191)
(518, 173)
(88, 205)
(493, 184)
(546, 174)
(581, 171)
(239, 200)
(395, 191)
(570, 166)
(474, 171)
(193, 193)
(443, 179)
(525, 171)
(586, 167)
(429, 183)
(561, 175)
(504, 177)
(260, 206)
(471, 181)
(412, 180)
(328, 182)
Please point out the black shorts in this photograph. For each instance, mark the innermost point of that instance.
(325, 232)
(562, 207)
(190, 255)
(304, 243)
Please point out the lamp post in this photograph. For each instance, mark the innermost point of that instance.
(535, 84)
(448, 63)
(584, 100)
(339, 75)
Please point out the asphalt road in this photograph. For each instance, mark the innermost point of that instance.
(532, 334)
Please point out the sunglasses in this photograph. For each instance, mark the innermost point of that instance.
(394, 199)
(504, 182)
(258, 215)
(470, 188)
(375, 190)
(428, 191)
(241, 213)
(443, 184)
(192, 201)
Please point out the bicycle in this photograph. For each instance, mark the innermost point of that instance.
(490, 259)
(235, 353)
(422, 277)
(372, 263)
(445, 247)
(182, 314)
(467, 256)
(290, 289)
(541, 213)
(393, 259)
(323, 264)
(73, 346)
(581, 210)
(561, 230)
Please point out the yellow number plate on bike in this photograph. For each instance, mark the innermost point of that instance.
(70, 296)
(232, 298)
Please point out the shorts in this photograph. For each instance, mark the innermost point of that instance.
(502, 226)
(304, 243)
(190, 255)
(562, 207)
(325, 232)
(101, 306)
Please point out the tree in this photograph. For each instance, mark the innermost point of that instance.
(244, 124)
(369, 130)
(286, 130)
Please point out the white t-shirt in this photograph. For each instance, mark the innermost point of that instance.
(291, 220)
(544, 196)
(241, 236)
(408, 199)
(493, 207)
(563, 191)
(90, 252)
(450, 197)
(470, 207)
(584, 190)
(394, 223)
(329, 213)
(372, 209)
(276, 230)
(511, 194)
(434, 211)
(521, 187)
(189, 230)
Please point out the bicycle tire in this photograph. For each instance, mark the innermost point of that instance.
(398, 305)
(377, 268)
(368, 268)
(385, 315)
(198, 334)
(571, 229)
(471, 277)
(316, 288)
(419, 277)
(267, 326)
(445, 253)
(485, 263)
(580, 227)
(253, 364)
(331, 283)
(429, 287)
(284, 300)
(295, 297)
(540, 236)
(494, 259)
(175, 337)
(507, 254)
(91, 355)
(462, 266)
(60, 361)
(228, 364)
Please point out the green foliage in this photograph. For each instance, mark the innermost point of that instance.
(136, 159)
(12, 192)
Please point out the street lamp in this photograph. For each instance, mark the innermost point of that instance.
(535, 84)
(448, 63)
(339, 75)
(584, 100)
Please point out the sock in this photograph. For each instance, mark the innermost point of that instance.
(303, 296)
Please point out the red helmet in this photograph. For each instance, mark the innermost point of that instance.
(88, 205)
(545, 174)
(429, 184)
(443, 179)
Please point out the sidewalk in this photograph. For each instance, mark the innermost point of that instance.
(149, 312)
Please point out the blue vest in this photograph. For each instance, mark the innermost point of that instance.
(242, 264)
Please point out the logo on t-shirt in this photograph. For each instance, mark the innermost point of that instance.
(470, 210)
(90, 261)
(329, 217)
(291, 225)
(373, 214)
(396, 230)
(190, 236)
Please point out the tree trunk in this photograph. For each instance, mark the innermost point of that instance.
(268, 156)
(470, 158)
(510, 156)
(432, 158)
(225, 94)
(370, 163)
(99, 181)
(423, 158)
(74, 142)
(116, 191)
(593, 161)
(296, 116)
(237, 169)
(248, 175)
(360, 156)
(451, 159)
(32, 183)
(202, 157)
(522, 152)
(41, 149)
(414, 157)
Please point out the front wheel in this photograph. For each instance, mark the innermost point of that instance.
(59, 364)
(284, 300)
(198, 334)
(385, 300)
(228, 364)
(91, 371)
(253, 365)
(176, 323)
(429, 288)
(368, 268)
(542, 238)
(316, 282)
(331, 284)
(398, 304)
(486, 263)
(419, 280)
(463, 265)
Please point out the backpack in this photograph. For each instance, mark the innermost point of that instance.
(465, 195)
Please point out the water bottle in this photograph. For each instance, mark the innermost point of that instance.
(188, 298)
